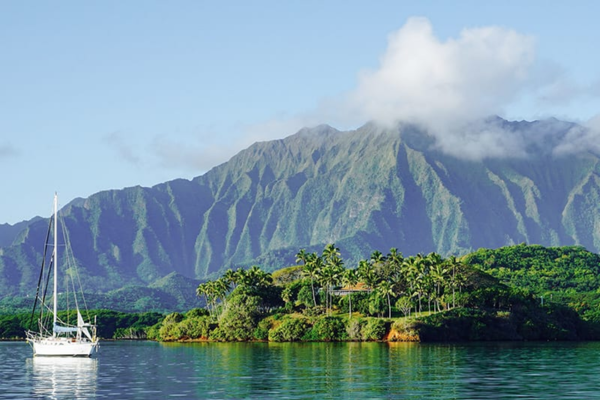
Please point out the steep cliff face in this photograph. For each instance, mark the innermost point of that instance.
(371, 189)
(365, 190)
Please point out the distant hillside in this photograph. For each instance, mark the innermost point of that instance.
(363, 190)
(8, 232)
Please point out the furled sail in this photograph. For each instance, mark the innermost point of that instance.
(64, 329)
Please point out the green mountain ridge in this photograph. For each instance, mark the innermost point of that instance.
(365, 189)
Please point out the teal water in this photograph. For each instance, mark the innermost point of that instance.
(148, 370)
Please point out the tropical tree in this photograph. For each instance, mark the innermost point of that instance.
(241, 277)
(231, 277)
(439, 275)
(416, 269)
(331, 272)
(386, 289)
(350, 279)
(331, 275)
(202, 291)
(457, 278)
(367, 275)
(257, 278)
(394, 261)
(311, 269)
(404, 304)
(208, 290)
(221, 288)
(287, 296)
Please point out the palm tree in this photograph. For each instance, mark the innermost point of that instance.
(366, 273)
(231, 277)
(332, 270)
(350, 279)
(395, 260)
(415, 270)
(202, 291)
(386, 288)
(438, 275)
(326, 277)
(377, 257)
(208, 289)
(255, 277)
(311, 268)
(241, 277)
(331, 275)
(221, 288)
(457, 278)
(331, 253)
(302, 256)
(378, 261)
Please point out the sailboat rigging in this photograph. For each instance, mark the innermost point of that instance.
(55, 337)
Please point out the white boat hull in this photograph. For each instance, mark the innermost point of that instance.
(65, 347)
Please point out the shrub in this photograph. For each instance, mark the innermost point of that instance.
(403, 330)
(238, 321)
(173, 318)
(355, 327)
(305, 296)
(262, 330)
(314, 311)
(153, 332)
(218, 334)
(374, 329)
(290, 330)
(196, 312)
(330, 329)
(169, 331)
(377, 305)
(196, 328)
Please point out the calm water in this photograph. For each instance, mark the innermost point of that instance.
(147, 370)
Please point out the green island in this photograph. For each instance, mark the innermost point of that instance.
(521, 292)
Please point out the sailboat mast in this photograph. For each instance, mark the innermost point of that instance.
(55, 256)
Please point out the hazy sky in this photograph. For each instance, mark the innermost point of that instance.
(110, 94)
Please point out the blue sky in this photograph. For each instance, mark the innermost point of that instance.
(106, 95)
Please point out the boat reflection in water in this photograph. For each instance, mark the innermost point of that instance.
(64, 377)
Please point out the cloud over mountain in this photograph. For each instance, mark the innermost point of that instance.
(450, 87)
(447, 86)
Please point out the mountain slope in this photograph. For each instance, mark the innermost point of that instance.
(364, 190)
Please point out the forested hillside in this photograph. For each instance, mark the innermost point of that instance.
(364, 189)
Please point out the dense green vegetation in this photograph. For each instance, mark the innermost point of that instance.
(524, 292)
(111, 324)
(567, 275)
(391, 297)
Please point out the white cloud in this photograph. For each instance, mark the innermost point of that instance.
(581, 138)
(449, 86)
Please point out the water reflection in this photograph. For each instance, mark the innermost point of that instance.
(63, 377)
(265, 371)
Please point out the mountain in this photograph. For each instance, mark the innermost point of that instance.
(364, 190)
(8, 232)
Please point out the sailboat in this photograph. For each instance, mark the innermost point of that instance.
(55, 337)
